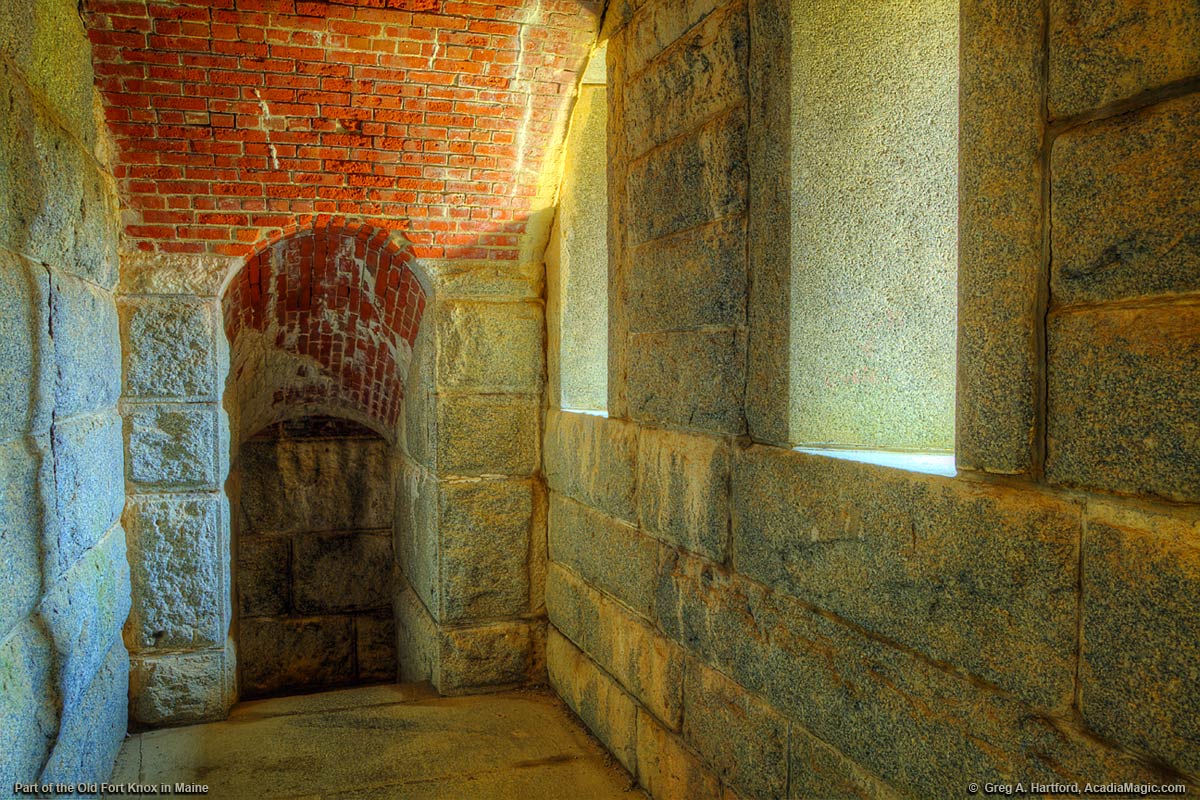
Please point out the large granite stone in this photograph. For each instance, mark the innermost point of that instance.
(593, 459)
(1123, 405)
(93, 730)
(667, 769)
(89, 490)
(29, 704)
(981, 577)
(818, 770)
(489, 347)
(1125, 213)
(278, 654)
(417, 647)
(608, 712)
(26, 471)
(375, 640)
(179, 595)
(417, 540)
(657, 25)
(683, 490)
(87, 346)
(341, 572)
(1107, 50)
(170, 349)
(182, 688)
(484, 530)
(612, 556)
(497, 655)
(741, 738)
(486, 435)
(26, 348)
(264, 575)
(688, 379)
(173, 446)
(1140, 673)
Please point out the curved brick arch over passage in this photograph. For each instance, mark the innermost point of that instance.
(323, 320)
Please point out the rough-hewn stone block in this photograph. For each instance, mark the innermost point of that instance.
(702, 75)
(490, 655)
(417, 652)
(375, 640)
(182, 688)
(84, 611)
(173, 446)
(87, 346)
(285, 488)
(688, 379)
(1113, 49)
(647, 665)
(336, 572)
(170, 349)
(484, 533)
(914, 724)
(1123, 403)
(486, 435)
(1140, 676)
(594, 460)
(1125, 218)
(981, 577)
(691, 279)
(683, 490)
(88, 485)
(282, 653)
(819, 771)
(489, 347)
(608, 712)
(1000, 232)
(26, 471)
(666, 768)
(416, 532)
(28, 703)
(690, 181)
(92, 731)
(26, 349)
(656, 26)
(179, 597)
(615, 557)
(741, 738)
(263, 575)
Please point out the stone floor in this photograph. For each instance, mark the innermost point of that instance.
(383, 742)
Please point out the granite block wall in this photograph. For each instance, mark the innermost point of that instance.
(64, 669)
(734, 618)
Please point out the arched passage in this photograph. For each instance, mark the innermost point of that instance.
(321, 325)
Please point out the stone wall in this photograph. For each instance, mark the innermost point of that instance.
(734, 618)
(314, 558)
(63, 666)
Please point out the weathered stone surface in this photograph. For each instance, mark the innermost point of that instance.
(1140, 675)
(607, 711)
(981, 577)
(688, 379)
(487, 435)
(1123, 402)
(170, 349)
(594, 460)
(198, 274)
(286, 484)
(417, 652)
(173, 446)
(1125, 215)
(701, 75)
(666, 768)
(92, 731)
(484, 529)
(88, 487)
(277, 654)
(490, 655)
(416, 532)
(741, 738)
(657, 25)
(25, 476)
(646, 665)
(418, 436)
(683, 490)
(28, 703)
(1113, 49)
(84, 611)
(1000, 227)
(489, 347)
(375, 639)
(263, 575)
(924, 729)
(690, 181)
(614, 557)
(174, 551)
(818, 770)
(340, 572)
(26, 349)
(691, 279)
(182, 688)
(87, 346)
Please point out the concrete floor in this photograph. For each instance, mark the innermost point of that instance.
(383, 742)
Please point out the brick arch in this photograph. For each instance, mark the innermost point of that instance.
(321, 318)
